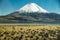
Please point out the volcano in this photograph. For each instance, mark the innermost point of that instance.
(31, 12)
(32, 7)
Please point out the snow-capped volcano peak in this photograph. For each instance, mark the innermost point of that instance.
(32, 7)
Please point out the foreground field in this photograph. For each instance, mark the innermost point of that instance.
(30, 32)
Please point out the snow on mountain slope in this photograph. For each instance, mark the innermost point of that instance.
(32, 7)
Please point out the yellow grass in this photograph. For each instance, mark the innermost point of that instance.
(25, 27)
(14, 32)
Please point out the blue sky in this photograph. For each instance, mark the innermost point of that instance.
(9, 6)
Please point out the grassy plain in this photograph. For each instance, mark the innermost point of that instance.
(30, 32)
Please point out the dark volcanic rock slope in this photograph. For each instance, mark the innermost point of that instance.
(30, 17)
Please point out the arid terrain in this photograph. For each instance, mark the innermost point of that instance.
(30, 32)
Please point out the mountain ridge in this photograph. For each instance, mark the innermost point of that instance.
(30, 17)
(33, 16)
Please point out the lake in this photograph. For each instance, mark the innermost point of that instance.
(24, 23)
